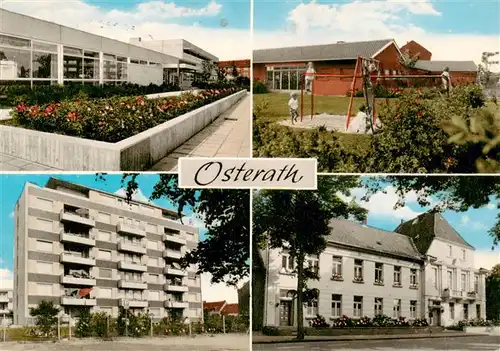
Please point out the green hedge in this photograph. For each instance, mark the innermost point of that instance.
(12, 95)
(111, 119)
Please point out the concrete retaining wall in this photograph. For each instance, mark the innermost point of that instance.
(136, 153)
(4, 114)
(483, 330)
(362, 331)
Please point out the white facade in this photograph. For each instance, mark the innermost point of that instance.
(347, 286)
(454, 290)
(37, 52)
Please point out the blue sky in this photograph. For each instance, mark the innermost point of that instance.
(221, 27)
(451, 30)
(11, 187)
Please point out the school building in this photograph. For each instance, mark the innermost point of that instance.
(281, 68)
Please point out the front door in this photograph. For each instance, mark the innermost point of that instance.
(286, 313)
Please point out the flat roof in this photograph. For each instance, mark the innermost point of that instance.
(17, 24)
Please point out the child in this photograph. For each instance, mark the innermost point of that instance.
(293, 104)
(446, 80)
(309, 77)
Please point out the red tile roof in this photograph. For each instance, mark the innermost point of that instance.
(213, 306)
(230, 308)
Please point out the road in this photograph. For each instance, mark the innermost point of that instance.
(469, 343)
(199, 343)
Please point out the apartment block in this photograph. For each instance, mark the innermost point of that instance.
(424, 269)
(6, 296)
(84, 248)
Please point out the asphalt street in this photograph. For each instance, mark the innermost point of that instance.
(470, 343)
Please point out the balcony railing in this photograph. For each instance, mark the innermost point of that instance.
(68, 237)
(69, 257)
(76, 301)
(174, 238)
(177, 255)
(132, 284)
(174, 271)
(176, 304)
(472, 295)
(4, 298)
(123, 227)
(128, 246)
(133, 303)
(81, 281)
(129, 266)
(76, 217)
(453, 294)
(175, 288)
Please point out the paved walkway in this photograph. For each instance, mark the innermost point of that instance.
(264, 339)
(13, 164)
(227, 136)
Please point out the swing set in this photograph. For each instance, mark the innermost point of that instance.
(370, 71)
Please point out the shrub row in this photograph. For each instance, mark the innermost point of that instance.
(413, 137)
(112, 119)
(365, 322)
(382, 92)
(479, 322)
(12, 95)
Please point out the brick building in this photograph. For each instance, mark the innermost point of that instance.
(281, 68)
(242, 66)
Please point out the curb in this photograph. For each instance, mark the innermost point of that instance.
(363, 339)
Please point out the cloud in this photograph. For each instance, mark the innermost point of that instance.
(136, 196)
(6, 279)
(194, 220)
(313, 23)
(381, 204)
(464, 220)
(491, 206)
(486, 258)
(11, 215)
(153, 18)
(218, 292)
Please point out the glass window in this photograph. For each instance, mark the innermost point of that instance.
(337, 267)
(13, 41)
(379, 273)
(358, 270)
(44, 65)
(14, 63)
(413, 309)
(109, 57)
(312, 308)
(73, 67)
(413, 277)
(121, 59)
(38, 46)
(90, 68)
(336, 305)
(379, 308)
(122, 72)
(358, 306)
(91, 54)
(134, 61)
(397, 275)
(143, 62)
(396, 308)
(110, 70)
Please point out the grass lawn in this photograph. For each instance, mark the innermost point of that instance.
(276, 109)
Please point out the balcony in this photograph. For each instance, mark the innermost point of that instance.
(175, 288)
(77, 259)
(132, 284)
(472, 295)
(133, 303)
(77, 217)
(76, 239)
(176, 304)
(4, 299)
(125, 228)
(69, 279)
(129, 266)
(76, 301)
(453, 294)
(4, 311)
(174, 271)
(176, 255)
(173, 238)
(129, 247)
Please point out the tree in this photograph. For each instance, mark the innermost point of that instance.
(297, 221)
(46, 316)
(226, 215)
(493, 294)
(453, 193)
(234, 72)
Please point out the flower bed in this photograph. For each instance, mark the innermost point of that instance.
(112, 119)
(380, 321)
(12, 95)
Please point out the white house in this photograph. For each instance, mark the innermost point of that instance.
(424, 269)
(454, 289)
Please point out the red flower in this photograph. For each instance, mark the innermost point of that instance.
(21, 108)
(72, 116)
(420, 114)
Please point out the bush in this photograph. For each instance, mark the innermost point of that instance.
(11, 95)
(270, 331)
(111, 119)
(319, 322)
(99, 323)
(46, 317)
(420, 322)
(259, 87)
(84, 324)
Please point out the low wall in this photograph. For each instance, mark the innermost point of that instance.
(136, 153)
(4, 114)
(363, 331)
(483, 330)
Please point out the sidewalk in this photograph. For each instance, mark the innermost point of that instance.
(227, 136)
(13, 164)
(264, 339)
